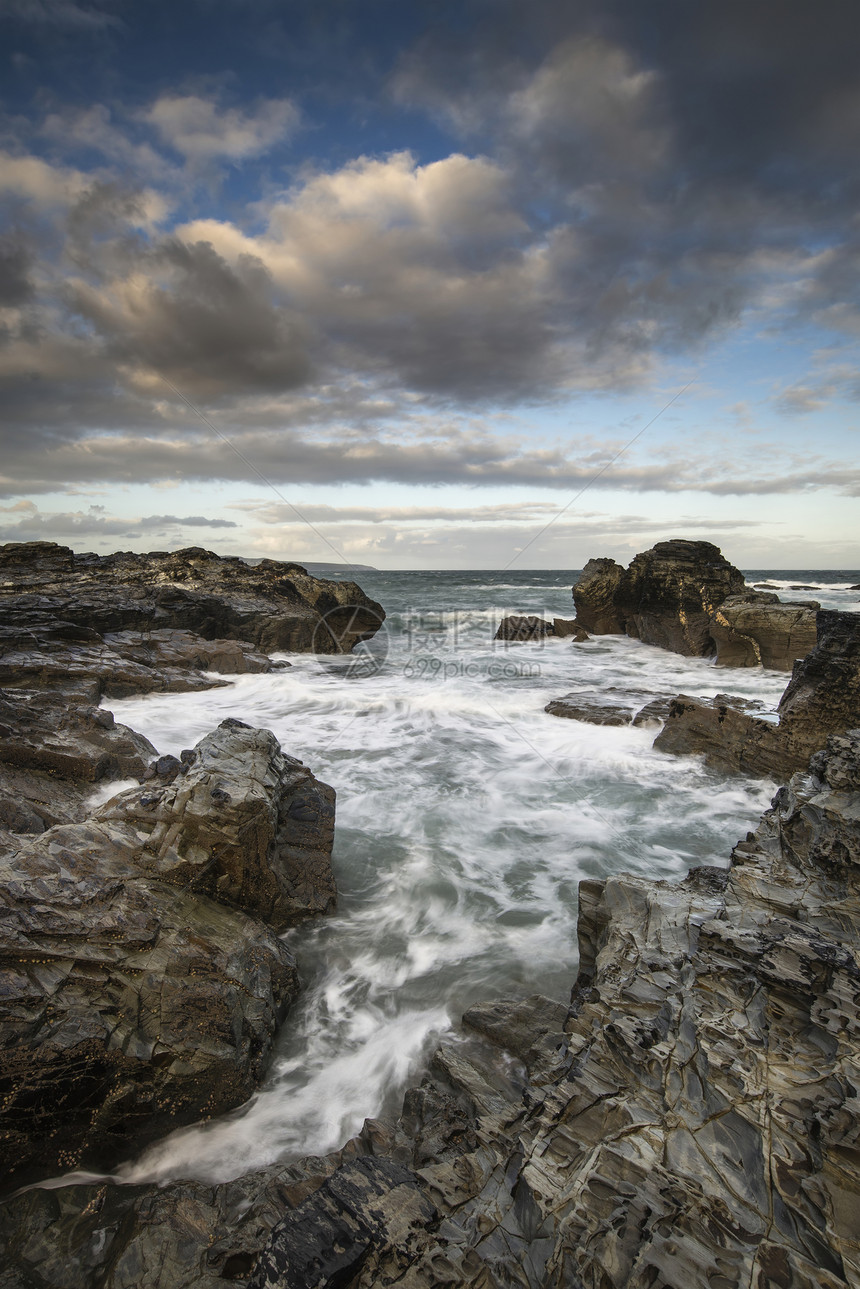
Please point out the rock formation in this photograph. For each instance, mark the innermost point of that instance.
(754, 630)
(272, 605)
(526, 627)
(75, 629)
(822, 697)
(138, 994)
(684, 596)
(688, 1120)
(666, 597)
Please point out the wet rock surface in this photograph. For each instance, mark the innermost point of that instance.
(138, 993)
(272, 605)
(822, 698)
(688, 1119)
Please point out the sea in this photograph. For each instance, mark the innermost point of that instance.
(466, 817)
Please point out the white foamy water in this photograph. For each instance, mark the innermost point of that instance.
(466, 817)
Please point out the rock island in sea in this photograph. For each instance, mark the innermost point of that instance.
(688, 1118)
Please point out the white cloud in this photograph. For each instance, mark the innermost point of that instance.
(202, 131)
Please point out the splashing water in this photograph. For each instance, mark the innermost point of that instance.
(466, 818)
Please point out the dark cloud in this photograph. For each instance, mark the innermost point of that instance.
(15, 264)
(618, 184)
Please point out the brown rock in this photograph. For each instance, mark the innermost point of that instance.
(666, 597)
(524, 629)
(752, 632)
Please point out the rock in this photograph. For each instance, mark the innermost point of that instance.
(52, 755)
(596, 597)
(591, 708)
(241, 823)
(688, 1119)
(368, 1212)
(730, 739)
(666, 597)
(653, 713)
(138, 994)
(524, 629)
(822, 698)
(273, 605)
(564, 627)
(754, 629)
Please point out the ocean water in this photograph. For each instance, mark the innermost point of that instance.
(466, 817)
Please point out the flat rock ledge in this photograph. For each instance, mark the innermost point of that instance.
(686, 597)
(689, 1120)
(142, 975)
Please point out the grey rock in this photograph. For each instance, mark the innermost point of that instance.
(137, 992)
(591, 708)
(272, 604)
(244, 824)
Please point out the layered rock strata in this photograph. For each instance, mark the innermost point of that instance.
(684, 596)
(822, 697)
(75, 629)
(688, 1120)
(143, 979)
(273, 605)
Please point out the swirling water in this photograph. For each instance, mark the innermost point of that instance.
(466, 817)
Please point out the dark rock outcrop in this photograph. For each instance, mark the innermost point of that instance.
(272, 605)
(137, 992)
(524, 628)
(822, 698)
(612, 706)
(686, 597)
(666, 597)
(688, 1120)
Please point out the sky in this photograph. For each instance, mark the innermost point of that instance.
(485, 284)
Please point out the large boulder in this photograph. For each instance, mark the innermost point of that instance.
(272, 605)
(242, 823)
(666, 597)
(138, 993)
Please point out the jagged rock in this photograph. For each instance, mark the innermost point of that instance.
(753, 629)
(241, 822)
(524, 629)
(822, 698)
(273, 605)
(138, 993)
(53, 754)
(666, 597)
(689, 1120)
(596, 596)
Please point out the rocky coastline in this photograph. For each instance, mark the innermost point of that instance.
(688, 1118)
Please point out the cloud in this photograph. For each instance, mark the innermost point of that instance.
(201, 131)
(25, 522)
